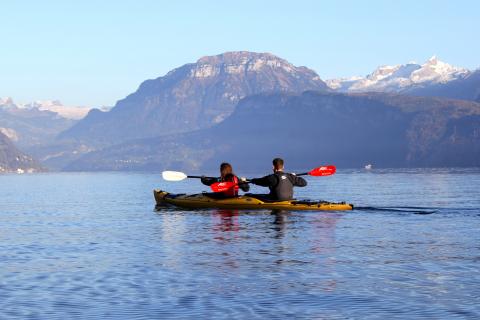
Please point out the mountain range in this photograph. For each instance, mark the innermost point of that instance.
(36, 123)
(55, 106)
(401, 78)
(249, 106)
(464, 88)
(193, 96)
(349, 130)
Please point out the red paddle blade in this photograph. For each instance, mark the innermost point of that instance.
(323, 171)
(222, 186)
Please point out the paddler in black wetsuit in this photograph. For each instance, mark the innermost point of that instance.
(227, 175)
(280, 183)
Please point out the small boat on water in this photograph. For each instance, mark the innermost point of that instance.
(246, 202)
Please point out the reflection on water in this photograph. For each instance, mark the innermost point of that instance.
(225, 220)
(279, 222)
(89, 246)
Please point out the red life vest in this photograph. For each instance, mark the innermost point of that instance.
(233, 191)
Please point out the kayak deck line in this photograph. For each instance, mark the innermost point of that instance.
(247, 202)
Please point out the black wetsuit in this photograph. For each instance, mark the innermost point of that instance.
(281, 185)
(208, 181)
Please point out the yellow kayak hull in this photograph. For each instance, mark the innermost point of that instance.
(200, 200)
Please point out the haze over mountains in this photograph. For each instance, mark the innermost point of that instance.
(34, 126)
(249, 107)
(36, 123)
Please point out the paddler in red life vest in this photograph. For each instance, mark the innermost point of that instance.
(280, 183)
(227, 175)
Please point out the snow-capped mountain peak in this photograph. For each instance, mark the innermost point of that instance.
(397, 78)
(337, 83)
(7, 101)
(55, 106)
(437, 71)
(433, 59)
(383, 72)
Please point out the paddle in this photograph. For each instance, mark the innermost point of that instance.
(317, 172)
(177, 176)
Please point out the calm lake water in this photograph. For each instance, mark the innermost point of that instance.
(90, 245)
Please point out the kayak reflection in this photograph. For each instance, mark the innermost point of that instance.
(226, 220)
(280, 222)
(229, 221)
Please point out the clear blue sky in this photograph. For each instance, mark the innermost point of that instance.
(96, 52)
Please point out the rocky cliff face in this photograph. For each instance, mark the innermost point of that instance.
(13, 160)
(347, 130)
(194, 96)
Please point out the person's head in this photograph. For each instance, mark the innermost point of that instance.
(225, 168)
(277, 164)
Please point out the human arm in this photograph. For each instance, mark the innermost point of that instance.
(267, 181)
(208, 181)
(298, 181)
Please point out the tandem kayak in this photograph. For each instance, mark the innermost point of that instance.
(247, 202)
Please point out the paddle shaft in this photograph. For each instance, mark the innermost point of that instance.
(302, 174)
(246, 181)
(196, 177)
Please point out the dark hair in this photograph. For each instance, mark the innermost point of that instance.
(229, 177)
(277, 163)
(225, 168)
